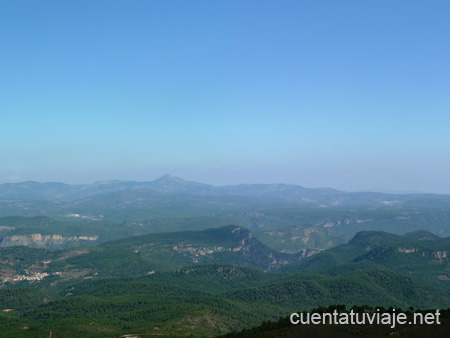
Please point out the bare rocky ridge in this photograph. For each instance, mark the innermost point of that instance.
(46, 241)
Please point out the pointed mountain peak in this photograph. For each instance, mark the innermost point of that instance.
(169, 178)
(173, 184)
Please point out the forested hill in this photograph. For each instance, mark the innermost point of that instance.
(421, 255)
(284, 328)
(206, 283)
(140, 255)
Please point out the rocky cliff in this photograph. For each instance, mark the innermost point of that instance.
(48, 241)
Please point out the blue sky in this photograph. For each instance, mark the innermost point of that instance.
(353, 95)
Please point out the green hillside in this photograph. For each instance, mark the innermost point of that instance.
(210, 282)
(421, 256)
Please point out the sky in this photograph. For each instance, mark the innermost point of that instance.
(353, 95)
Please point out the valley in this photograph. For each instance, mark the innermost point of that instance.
(177, 258)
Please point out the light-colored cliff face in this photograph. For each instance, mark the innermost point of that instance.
(443, 255)
(46, 241)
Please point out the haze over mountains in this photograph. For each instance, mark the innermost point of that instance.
(183, 258)
(189, 258)
(288, 218)
(335, 96)
(171, 185)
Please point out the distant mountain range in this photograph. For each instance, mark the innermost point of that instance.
(169, 185)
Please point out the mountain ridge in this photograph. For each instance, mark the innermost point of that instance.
(290, 193)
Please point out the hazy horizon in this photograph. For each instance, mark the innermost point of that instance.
(219, 185)
(352, 96)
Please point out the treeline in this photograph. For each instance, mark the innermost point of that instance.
(22, 299)
(284, 328)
